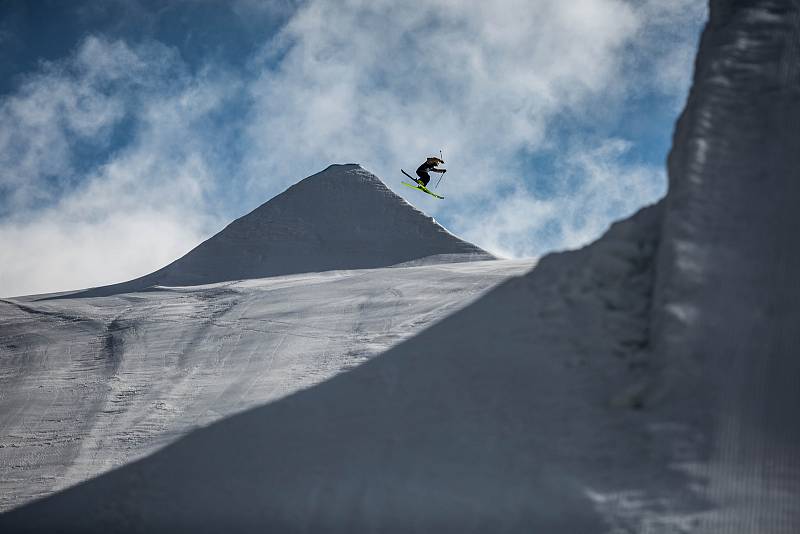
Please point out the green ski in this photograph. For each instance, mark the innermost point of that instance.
(419, 186)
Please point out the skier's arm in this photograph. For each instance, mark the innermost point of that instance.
(439, 170)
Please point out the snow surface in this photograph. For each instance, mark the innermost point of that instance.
(89, 384)
(513, 414)
(93, 379)
(726, 318)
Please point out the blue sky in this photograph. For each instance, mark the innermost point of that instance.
(132, 130)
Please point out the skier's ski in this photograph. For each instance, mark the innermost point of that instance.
(423, 189)
(419, 186)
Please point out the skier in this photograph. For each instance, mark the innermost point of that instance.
(429, 166)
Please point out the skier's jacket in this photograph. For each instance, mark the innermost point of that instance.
(429, 165)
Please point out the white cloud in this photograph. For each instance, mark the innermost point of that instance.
(508, 226)
(133, 213)
(62, 251)
(612, 189)
(79, 100)
(386, 84)
(378, 82)
(666, 44)
(595, 188)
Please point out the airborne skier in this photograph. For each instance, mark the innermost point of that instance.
(429, 166)
(422, 171)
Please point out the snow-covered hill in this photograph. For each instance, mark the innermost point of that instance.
(94, 379)
(92, 383)
(341, 218)
(505, 416)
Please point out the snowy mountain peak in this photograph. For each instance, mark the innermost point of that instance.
(343, 217)
(343, 171)
(326, 193)
(350, 174)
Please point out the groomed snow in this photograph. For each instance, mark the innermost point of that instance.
(516, 413)
(92, 383)
(726, 326)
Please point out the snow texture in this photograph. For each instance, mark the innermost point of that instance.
(726, 317)
(646, 383)
(506, 416)
(91, 383)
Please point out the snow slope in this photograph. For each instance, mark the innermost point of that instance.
(341, 218)
(88, 384)
(94, 379)
(726, 325)
(511, 415)
(90, 380)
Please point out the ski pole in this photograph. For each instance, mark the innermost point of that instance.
(440, 179)
(441, 157)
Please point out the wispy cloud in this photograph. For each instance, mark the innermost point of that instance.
(385, 85)
(68, 105)
(142, 206)
(665, 47)
(594, 186)
(381, 83)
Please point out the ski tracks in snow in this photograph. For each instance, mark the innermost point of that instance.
(99, 382)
